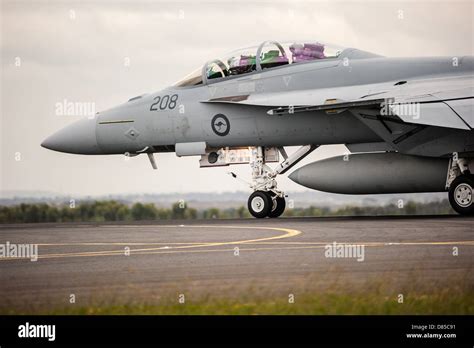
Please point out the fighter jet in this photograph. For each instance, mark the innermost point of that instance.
(407, 122)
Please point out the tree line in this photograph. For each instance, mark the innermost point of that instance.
(111, 210)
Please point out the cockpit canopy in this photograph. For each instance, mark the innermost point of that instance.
(269, 54)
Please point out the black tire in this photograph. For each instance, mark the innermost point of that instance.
(278, 207)
(259, 204)
(461, 194)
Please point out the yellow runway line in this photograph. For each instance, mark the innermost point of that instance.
(275, 240)
(289, 233)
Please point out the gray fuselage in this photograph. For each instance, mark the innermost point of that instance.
(142, 123)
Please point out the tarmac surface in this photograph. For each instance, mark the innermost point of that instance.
(99, 263)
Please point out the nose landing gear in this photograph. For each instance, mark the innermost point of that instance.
(267, 200)
(266, 203)
(278, 207)
(260, 204)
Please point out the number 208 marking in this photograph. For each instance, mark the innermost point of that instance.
(164, 102)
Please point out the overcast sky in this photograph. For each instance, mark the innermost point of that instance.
(57, 50)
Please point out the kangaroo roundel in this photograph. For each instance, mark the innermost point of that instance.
(220, 125)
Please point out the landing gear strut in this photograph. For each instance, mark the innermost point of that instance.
(461, 187)
(267, 200)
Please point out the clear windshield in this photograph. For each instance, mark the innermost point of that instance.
(269, 54)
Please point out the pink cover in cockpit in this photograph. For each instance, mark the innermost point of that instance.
(307, 51)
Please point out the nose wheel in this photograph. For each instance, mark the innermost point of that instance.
(461, 194)
(278, 206)
(267, 200)
(263, 204)
(260, 204)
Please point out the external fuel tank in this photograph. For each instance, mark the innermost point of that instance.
(372, 173)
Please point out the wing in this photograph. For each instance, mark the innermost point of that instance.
(420, 117)
(442, 102)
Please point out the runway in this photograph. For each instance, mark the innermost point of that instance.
(151, 261)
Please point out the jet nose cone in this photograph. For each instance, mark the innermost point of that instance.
(78, 138)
